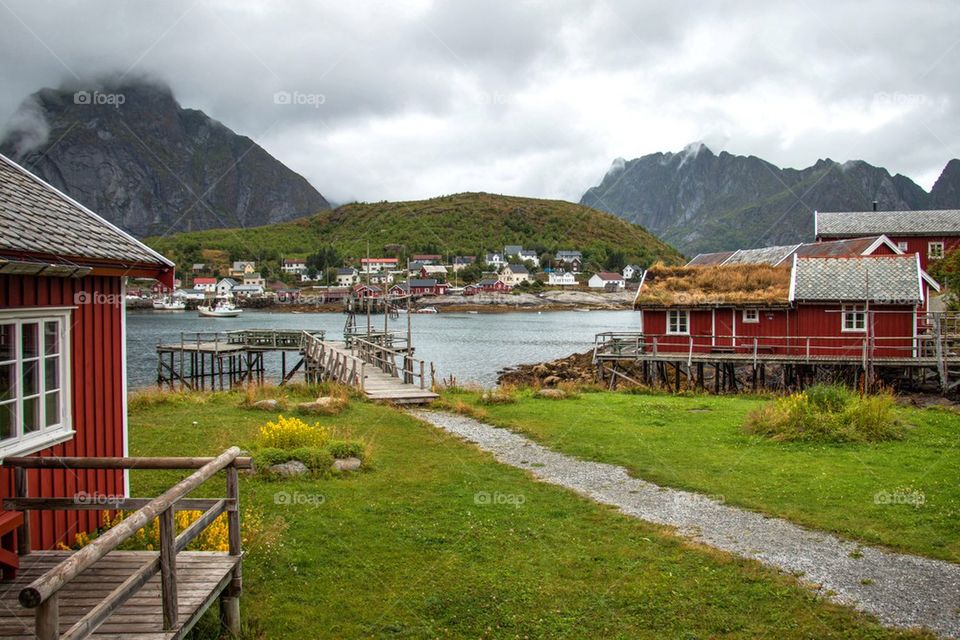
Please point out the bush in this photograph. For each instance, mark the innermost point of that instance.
(315, 458)
(266, 458)
(827, 413)
(291, 433)
(347, 449)
(500, 395)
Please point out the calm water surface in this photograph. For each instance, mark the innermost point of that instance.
(471, 347)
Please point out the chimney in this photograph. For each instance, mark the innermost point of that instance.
(874, 205)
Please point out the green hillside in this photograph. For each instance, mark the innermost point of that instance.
(461, 224)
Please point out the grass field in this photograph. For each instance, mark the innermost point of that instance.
(437, 540)
(903, 494)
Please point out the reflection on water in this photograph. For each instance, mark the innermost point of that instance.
(471, 347)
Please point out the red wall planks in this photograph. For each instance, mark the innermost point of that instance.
(97, 395)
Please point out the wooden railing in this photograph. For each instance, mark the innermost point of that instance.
(325, 362)
(42, 593)
(270, 338)
(385, 359)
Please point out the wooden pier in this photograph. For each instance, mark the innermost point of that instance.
(227, 359)
(928, 361)
(103, 592)
(380, 365)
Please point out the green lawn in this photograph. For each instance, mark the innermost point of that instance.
(403, 550)
(697, 443)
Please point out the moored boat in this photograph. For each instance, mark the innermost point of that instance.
(220, 309)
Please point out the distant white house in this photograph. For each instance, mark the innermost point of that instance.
(530, 256)
(205, 284)
(254, 280)
(382, 278)
(632, 271)
(514, 274)
(437, 271)
(496, 260)
(189, 294)
(561, 278)
(247, 290)
(462, 262)
(225, 287)
(347, 277)
(606, 280)
(296, 266)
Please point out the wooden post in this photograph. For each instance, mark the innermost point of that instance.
(47, 621)
(168, 569)
(230, 597)
(20, 491)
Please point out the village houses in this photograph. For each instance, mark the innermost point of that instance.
(514, 274)
(607, 281)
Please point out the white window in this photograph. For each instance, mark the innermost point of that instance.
(751, 316)
(34, 381)
(854, 318)
(678, 322)
(934, 250)
(903, 246)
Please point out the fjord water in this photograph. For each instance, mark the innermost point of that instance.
(470, 347)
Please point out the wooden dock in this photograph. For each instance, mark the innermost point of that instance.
(103, 592)
(380, 372)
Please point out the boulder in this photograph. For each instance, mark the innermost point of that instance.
(347, 464)
(291, 469)
(323, 404)
(553, 394)
(551, 381)
(267, 405)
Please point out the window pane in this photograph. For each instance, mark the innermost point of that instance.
(8, 348)
(31, 415)
(7, 382)
(31, 378)
(53, 408)
(31, 339)
(51, 337)
(52, 374)
(8, 415)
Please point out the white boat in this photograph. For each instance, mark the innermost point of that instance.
(168, 304)
(427, 310)
(220, 309)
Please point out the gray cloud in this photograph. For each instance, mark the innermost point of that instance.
(533, 98)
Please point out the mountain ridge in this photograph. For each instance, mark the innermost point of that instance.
(700, 201)
(133, 154)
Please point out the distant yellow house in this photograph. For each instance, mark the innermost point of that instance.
(514, 274)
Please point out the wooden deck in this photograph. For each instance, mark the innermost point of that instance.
(201, 577)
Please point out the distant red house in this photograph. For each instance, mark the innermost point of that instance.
(367, 291)
(63, 381)
(420, 287)
(929, 234)
(809, 306)
(427, 258)
(487, 286)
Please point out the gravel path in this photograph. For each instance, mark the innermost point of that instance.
(901, 590)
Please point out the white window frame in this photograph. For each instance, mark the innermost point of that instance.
(673, 322)
(903, 245)
(753, 318)
(61, 431)
(853, 311)
(938, 255)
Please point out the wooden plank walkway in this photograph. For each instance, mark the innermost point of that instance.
(201, 576)
(378, 385)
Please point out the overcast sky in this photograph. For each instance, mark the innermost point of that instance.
(410, 100)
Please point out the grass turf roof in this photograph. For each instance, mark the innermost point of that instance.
(709, 286)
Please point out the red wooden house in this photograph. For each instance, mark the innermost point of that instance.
(487, 286)
(809, 307)
(366, 291)
(420, 287)
(62, 343)
(929, 234)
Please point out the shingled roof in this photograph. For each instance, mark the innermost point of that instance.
(780, 255)
(37, 219)
(880, 279)
(901, 223)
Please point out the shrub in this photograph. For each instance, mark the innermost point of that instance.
(266, 458)
(827, 413)
(500, 395)
(291, 433)
(347, 449)
(315, 458)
